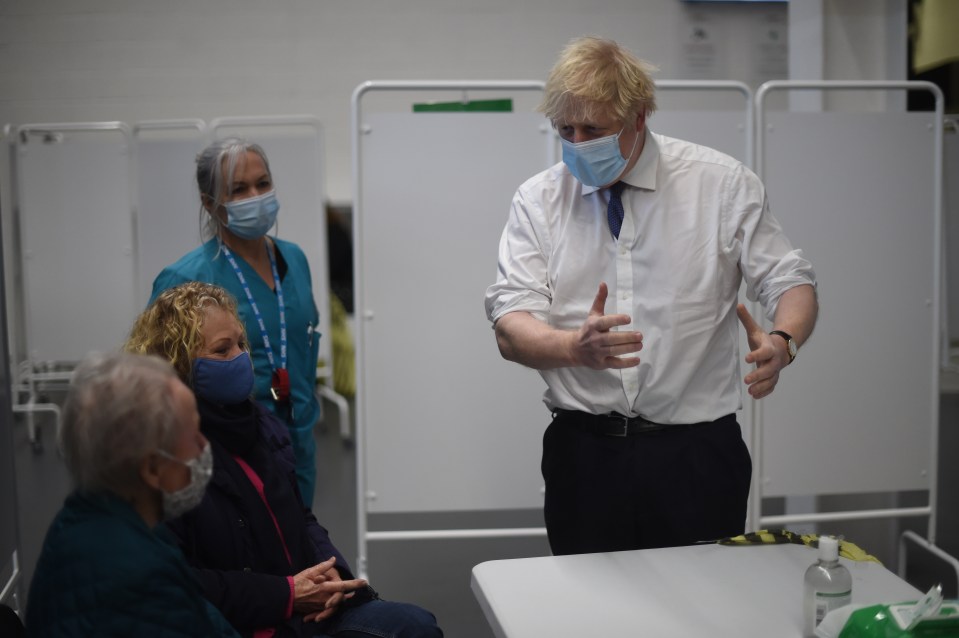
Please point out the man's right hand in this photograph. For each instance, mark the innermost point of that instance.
(597, 346)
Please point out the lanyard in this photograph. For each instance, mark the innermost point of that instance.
(256, 311)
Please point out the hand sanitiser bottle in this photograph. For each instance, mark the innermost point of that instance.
(828, 586)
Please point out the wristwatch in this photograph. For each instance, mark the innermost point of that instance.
(791, 347)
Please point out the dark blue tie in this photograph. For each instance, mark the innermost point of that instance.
(614, 210)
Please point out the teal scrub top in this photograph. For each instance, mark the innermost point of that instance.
(208, 264)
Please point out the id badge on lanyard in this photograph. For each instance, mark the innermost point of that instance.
(280, 385)
(280, 379)
(280, 390)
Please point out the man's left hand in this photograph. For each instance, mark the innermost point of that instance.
(765, 353)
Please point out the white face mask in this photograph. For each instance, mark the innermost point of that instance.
(185, 499)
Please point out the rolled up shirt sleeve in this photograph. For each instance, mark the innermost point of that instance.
(522, 282)
(769, 263)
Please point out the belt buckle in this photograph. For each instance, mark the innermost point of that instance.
(625, 420)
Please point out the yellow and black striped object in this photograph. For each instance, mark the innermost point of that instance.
(782, 536)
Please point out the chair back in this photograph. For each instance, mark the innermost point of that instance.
(10, 624)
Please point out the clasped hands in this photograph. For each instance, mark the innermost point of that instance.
(599, 347)
(319, 590)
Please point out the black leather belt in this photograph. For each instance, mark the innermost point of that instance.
(612, 424)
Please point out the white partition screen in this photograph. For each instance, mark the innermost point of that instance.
(168, 202)
(445, 424)
(726, 129)
(77, 241)
(435, 191)
(858, 192)
(449, 425)
(10, 518)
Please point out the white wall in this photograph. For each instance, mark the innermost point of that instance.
(130, 60)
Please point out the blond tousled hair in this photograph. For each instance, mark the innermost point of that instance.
(595, 77)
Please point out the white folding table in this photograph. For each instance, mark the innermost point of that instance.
(702, 590)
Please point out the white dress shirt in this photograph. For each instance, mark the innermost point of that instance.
(696, 223)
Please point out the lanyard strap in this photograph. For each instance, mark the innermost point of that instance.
(256, 311)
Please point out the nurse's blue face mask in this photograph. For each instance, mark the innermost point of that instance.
(251, 218)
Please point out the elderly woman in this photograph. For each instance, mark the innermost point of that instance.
(263, 559)
(269, 277)
(131, 441)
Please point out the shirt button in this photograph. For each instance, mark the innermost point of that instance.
(625, 296)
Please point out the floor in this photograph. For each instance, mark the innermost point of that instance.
(434, 574)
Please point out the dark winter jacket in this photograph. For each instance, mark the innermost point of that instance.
(231, 538)
(103, 572)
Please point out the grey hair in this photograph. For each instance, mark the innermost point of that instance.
(210, 174)
(119, 408)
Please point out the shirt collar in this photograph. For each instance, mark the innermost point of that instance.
(643, 174)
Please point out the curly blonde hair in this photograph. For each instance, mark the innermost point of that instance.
(170, 326)
(595, 77)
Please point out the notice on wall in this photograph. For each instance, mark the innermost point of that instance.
(703, 47)
(770, 55)
(746, 42)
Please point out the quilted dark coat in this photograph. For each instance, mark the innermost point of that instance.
(232, 541)
(103, 572)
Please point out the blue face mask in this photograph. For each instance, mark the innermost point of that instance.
(226, 382)
(595, 162)
(251, 218)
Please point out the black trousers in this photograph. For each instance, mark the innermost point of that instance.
(665, 488)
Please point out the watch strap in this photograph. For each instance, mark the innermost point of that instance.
(791, 347)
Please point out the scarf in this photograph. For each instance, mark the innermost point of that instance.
(234, 427)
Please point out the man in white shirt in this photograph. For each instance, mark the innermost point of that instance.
(639, 242)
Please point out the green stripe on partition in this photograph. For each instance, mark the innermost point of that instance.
(485, 106)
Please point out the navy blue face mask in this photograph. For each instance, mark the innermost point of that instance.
(226, 382)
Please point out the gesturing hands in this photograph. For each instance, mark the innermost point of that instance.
(597, 346)
(318, 590)
(763, 352)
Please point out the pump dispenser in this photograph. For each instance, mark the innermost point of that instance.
(828, 586)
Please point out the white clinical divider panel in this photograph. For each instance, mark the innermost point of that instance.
(168, 202)
(431, 226)
(860, 194)
(729, 130)
(444, 423)
(950, 166)
(77, 241)
(10, 576)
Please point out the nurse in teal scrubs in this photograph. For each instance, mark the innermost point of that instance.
(270, 279)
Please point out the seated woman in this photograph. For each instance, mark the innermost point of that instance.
(131, 441)
(260, 554)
